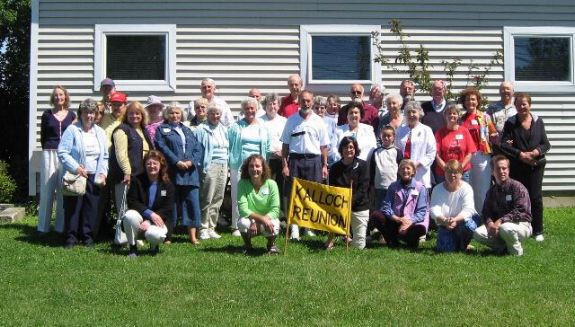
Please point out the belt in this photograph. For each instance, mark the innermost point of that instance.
(303, 155)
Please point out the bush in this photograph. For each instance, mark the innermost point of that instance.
(8, 185)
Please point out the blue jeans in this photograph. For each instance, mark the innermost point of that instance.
(458, 238)
(188, 205)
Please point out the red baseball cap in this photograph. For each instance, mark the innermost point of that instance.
(119, 97)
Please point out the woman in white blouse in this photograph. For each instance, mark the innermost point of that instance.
(453, 210)
(363, 133)
(417, 142)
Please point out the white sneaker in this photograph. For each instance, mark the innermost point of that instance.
(308, 232)
(236, 233)
(539, 238)
(212, 234)
(294, 232)
(204, 234)
(140, 243)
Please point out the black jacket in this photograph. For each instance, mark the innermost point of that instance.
(138, 196)
(342, 176)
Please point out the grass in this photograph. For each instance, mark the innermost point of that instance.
(41, 283)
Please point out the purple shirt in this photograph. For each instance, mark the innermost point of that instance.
(51, 129)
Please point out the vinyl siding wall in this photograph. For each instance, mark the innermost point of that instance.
(256, 44)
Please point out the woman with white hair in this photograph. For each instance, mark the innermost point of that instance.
(417, 142)
(213, 136)
(246, 137)
(183, 153)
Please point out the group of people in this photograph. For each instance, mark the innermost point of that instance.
(411, 166)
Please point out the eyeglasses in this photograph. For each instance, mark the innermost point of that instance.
(355, 92)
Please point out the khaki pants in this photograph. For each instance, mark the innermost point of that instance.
(212, 191)
(510, 237)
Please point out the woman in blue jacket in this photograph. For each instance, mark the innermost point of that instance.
(184, 154)
(83, 150)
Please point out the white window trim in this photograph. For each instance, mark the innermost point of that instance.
(306, 32)
(537, 86)
(102, 30)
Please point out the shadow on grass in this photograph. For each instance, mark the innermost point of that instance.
(29, 234)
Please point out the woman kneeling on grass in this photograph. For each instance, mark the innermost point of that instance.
(453, 210)
(151, 201)
(258, 203)
(404, 213)
(352, 172)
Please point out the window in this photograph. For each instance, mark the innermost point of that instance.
(540, 59)
(136, 57)
(335, 56)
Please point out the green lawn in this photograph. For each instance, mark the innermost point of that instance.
(41, 283)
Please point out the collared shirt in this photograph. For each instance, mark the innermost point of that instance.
(508, 202)
(499, 113)
(305, 136)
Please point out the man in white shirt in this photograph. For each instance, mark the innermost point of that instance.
(501, 110)
(208, 90)
(304, 147)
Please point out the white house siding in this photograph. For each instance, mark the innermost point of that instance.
(256, 44)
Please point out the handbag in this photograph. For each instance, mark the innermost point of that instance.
(120, 237)
(73, 185)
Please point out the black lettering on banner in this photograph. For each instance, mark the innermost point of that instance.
(296, 213)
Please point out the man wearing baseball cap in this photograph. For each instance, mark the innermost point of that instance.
(107, 87)
(118, 101)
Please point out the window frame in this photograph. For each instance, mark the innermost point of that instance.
(100, 47)
(509, 34)
(336, 86)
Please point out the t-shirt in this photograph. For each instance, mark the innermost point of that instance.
(305, 136)
(275, 127)
(454, 144)
(264, 202)
(288, 107)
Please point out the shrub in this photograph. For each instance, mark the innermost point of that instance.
(8, 185)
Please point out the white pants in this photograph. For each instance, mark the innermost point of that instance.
(244, 225)
(359, 221)
(50, 189)
(480, 178)
(510, 237)
(235, 176)
(132, 221)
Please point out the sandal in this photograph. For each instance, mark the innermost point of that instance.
(273, 250)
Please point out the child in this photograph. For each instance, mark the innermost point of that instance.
(383, 169)
(384, 164)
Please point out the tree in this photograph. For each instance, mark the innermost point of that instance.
(14, 86)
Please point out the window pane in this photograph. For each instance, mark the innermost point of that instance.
(341, 57)
(131, 57)
(542, 59)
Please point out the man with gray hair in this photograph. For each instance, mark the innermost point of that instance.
(305, 148)
(208, 90)
(370, 113)
(501, 110)
(290, 103)
(407, 91)
(433, 109)
(377, 95)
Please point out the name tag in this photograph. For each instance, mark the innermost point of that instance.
(265, 191)
(415, 193)
(508, 197)
(459, 136)
(163, 193)
(474, 122)
(166, 130)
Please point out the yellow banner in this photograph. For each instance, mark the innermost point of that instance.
(319, 206)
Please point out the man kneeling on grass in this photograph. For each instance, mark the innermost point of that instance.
(506, 212)
(258, 203)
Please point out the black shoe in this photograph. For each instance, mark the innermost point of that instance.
(154, 250)
(133, 251)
